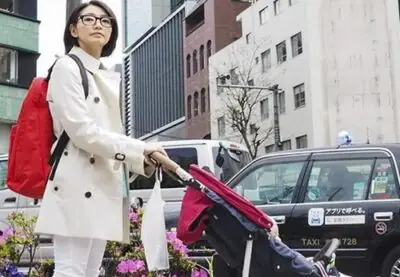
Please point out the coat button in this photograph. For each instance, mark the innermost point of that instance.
(92, 160)
(96, 99)
(66, 153)
(88, 194)
(55, 188)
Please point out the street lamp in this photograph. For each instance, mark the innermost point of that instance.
(275, 90)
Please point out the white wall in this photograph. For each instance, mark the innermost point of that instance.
(349, 65)
(359, 81)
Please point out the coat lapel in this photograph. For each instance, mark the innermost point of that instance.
(108, 84)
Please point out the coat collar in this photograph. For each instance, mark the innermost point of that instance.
(91, 63)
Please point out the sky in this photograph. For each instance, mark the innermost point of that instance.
(51, 13)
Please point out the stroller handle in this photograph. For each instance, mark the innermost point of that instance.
(169, 165)
(164, 161)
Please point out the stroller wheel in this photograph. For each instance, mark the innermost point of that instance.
(221, 269)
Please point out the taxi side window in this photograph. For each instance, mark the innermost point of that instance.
(3, 174)
(383, 184)
(270, 183)
(339, 180)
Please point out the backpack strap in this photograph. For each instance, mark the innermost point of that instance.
(64, 138)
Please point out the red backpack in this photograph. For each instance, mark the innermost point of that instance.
(30, 161)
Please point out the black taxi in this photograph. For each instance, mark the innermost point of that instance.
(349, 192)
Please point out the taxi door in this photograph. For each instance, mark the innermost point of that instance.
(350, 195)
(272, 184)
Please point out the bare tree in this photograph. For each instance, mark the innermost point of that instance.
(241, 101)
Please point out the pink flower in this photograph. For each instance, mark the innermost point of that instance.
(177, 244)
(133, 217)
(199, 273)
(5, 234)
(171, 236)
(130, 266)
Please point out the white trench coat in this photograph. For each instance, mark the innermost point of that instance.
(85, 198)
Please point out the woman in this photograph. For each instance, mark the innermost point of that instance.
(86, 203)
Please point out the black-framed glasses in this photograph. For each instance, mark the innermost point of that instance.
(91, 20)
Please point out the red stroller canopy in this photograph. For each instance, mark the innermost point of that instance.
(194, 204)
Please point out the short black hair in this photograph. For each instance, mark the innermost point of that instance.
(70, 41)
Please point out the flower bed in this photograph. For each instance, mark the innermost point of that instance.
(122, 260)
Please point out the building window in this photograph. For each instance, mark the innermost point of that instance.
(220, 81)
(203, 101)
(208, 97)
(234, 77)
(8, 65)
(281, 52)
(282, 102)
(3, 174)
(189, 107)
(269, 148)
(297, 44)
(277, 7)
(287, 145)
(299, 96)
(263, 15)
(188, 66)
(301, 142)
(264, 109)
(194, 62)
(248, 38)
(201, 57)
(265, 60)
(7, 5)
(221, 126)
(196, 104)
(208, 49)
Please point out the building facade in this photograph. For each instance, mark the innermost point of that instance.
(153, 78)
(140, 17)
(208, 27)
(19, 44)
(335, 61)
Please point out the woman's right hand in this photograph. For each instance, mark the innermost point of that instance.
(150, 149)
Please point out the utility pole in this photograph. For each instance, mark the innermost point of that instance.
(277, 132)
(275, 93)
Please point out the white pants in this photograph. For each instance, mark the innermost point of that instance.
(77, 257)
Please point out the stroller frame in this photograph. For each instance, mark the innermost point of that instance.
(251, 231)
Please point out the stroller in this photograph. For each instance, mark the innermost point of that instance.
(237, 230)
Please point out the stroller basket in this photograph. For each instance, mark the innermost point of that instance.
(236, 229)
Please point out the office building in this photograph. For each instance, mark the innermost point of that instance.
(19, 44)
(208, 27)
(154, 77)
(336, 62)
(140, 17)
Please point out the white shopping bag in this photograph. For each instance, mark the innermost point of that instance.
(153, 233)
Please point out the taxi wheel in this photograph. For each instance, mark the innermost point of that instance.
(391, 265)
